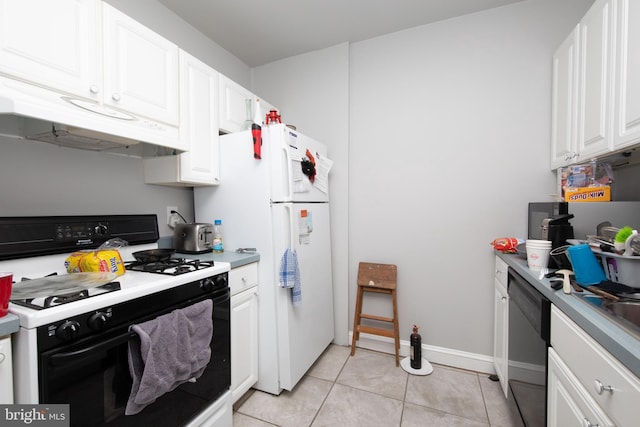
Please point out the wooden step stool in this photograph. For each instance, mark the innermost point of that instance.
(378, 278)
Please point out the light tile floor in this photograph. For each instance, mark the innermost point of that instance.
(369, 390)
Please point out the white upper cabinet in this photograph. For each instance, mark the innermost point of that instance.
(199, 121)
(88, 50)
(140, 68)
(52, 44)
(627, 89)
(236, 106)
(600, 85)
(564, 102)
(595, 79)
(583, 89)
(199, 165)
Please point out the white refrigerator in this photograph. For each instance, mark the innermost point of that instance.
(275, 203)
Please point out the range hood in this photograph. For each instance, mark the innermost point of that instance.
(48, 116)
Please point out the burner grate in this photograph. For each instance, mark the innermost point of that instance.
(56, 300)
(171, 266)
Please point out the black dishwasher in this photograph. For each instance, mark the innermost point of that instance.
(529, 338)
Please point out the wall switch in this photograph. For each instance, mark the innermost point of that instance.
(172, 218)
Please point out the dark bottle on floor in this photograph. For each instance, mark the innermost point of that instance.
(415, 349)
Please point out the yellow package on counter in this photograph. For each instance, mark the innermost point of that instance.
(101, 260)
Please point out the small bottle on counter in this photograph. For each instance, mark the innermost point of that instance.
(217, 236)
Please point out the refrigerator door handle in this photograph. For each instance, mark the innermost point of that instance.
(291, 218)
(289, 163)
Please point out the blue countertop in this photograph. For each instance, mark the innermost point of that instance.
(9, 324)
(618, 341)
(236, 259)
(233, 258)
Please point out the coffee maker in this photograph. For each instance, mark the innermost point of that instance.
(557, 229)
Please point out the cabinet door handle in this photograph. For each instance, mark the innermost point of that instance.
(2, 357)
(115, 97)
(94, 89)
(601, 387)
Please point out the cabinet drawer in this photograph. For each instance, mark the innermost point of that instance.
(501, 271)
(591, 364)
(244, 277)
(568, 399)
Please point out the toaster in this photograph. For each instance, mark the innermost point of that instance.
(194, 238)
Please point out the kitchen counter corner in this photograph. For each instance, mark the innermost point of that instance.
(9, 324)
(622, 344)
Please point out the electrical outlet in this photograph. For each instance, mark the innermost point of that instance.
(171, 218)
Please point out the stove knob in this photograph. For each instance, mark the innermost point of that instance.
(220, 280)
(68, 330)
(101, 230)
(206, 285)
(98, 321)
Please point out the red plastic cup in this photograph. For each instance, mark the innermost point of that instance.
(5, 292)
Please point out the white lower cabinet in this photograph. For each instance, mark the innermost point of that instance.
(569, 403)
(6, 372)
(587, 385)
(501, 323)
(244, 329)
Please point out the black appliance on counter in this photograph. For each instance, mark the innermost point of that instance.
(529, 339)
(550, 221)
(557, 230)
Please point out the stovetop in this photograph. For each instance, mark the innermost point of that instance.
(171, 267)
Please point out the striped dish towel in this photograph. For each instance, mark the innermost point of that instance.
(290, 275)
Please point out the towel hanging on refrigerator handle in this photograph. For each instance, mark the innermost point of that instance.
(290, 275)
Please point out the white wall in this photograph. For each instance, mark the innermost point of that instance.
(449, 128)
(43, 179)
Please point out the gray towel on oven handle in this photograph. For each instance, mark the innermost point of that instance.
(173, 349)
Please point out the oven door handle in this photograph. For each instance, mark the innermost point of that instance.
(88, 353)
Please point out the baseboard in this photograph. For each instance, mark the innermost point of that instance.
(439, 355)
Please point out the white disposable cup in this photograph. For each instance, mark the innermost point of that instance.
(541, 243)
(538, 256)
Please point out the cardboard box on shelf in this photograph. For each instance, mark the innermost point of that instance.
(588, 194)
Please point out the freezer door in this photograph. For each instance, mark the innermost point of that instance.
(304, 331)
(286, 149)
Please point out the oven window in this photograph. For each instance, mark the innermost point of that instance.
(93, 377)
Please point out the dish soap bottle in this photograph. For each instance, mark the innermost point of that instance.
(415, 349)
(217, 236)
